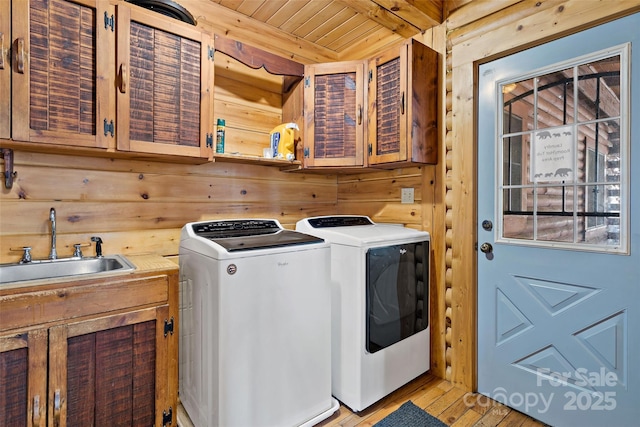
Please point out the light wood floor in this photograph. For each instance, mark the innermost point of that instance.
(441, 399)
(437, 396)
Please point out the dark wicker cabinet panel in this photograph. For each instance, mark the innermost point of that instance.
(60, 77)
(388, 97)
(111, 376)
(63, 76)
(22, 358)
(402, 110)
(335, 122)
(13, 387)
(165, 85)
(334, 105)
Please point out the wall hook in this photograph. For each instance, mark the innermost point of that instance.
(9, 173)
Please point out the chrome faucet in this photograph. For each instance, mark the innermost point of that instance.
(52, 217)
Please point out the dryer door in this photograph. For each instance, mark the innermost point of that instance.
(397, 293)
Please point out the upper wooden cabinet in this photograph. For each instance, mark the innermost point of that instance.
(402, 106)
(72, 62)
(387, 104)
(334, 108)
(165, 85)
(60, 69)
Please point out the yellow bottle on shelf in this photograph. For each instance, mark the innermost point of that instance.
(283, 142)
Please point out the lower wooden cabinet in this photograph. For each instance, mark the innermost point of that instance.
(117, 366)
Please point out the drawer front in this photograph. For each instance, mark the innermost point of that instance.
(69, 302)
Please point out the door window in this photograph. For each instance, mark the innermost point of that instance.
(563, 152)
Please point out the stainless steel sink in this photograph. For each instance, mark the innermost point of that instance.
(51, 269)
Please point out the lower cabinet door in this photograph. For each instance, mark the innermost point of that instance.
(104, 372)
(23, 364)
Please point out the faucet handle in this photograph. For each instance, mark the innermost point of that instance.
(98, 241)
(77, 252)
(26, 255)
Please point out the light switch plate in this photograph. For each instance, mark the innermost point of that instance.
(406, 195)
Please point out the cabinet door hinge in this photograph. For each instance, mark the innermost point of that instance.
(210, 53)
(108, 127)
(370, 76)
(168, 326)
(370, 149)
(306, 152)
(209, 140)
(167, 417)
(109, 21)
(307, 81)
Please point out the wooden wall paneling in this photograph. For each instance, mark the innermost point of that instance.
(462, 12)
(164, 239)
(377, 195)
(463, 309)
(293, 111)
(538, 24)
(90, 186)
(395, 213)
(250, 101)
(440, 291)
(139, 206)
(433, 212)
(377, 188)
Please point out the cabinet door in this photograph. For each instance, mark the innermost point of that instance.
(165, 85)
(402, 110)
(110, 371)
(5, 69)
(62, 81)
(23, 385)
(333, 108)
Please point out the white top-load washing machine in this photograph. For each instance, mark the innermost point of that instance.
(255, 325)
(380, 305)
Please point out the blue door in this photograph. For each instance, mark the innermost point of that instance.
(559, 228)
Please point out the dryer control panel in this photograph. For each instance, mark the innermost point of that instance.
(339, 221)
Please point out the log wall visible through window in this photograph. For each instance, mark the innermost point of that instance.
(573, 112)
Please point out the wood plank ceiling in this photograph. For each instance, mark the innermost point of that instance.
(336, 25)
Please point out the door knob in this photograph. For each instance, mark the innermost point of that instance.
(486, 248)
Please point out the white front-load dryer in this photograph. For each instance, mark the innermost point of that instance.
(380, 305)
(255, 325)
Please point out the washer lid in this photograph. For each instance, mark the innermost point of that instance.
(244, 235)
(358, 230)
